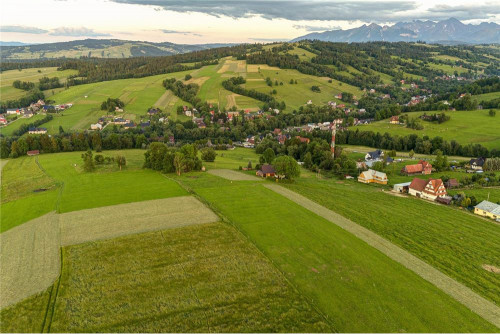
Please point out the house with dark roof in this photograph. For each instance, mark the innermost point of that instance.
(266, 171)
(477, 164)
(429, 189)
(422, 168)
(377, 155)
(37, 131)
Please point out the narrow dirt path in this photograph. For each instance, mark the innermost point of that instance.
(461, 293)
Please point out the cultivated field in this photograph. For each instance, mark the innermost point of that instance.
(464, 127)
(132, 218)
(203, 278)
(30, 259)
(357, 288)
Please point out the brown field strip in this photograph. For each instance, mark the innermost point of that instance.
(233, 175)
(124, 219)
(461, 293)
(30, 258)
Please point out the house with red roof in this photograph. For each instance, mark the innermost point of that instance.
(430, 189)
(422, 168)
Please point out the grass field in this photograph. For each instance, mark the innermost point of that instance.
(456, 243)
(357, 288)
(464, 126)
(203, 278)
(80, 190)
(233, 159)
(482, 194)
(16, 124)
(486, 97)
(7, 92)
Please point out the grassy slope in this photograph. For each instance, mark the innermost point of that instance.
(80, 190)
(456, 243)
(357, 288)
(11, 127)
(7, 92)
(204, 278)
(464, 126)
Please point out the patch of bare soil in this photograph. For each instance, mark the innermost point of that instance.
(491, 269)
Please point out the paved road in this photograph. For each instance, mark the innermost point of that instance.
(460, 292)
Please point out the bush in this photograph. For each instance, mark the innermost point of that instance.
(208, 154)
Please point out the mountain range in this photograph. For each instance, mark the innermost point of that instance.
(450, 31)
(102, 48)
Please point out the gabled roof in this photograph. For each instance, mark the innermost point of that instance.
(418, 184)
(436, 183)
(267, 169)
(375, 154)
(478, 162)
(487, 206)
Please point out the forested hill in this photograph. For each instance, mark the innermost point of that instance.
(99, 48)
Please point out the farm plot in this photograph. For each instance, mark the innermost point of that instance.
(233, 175)
(30, 259)
(202, 278)
(356, 287)
(118, 220)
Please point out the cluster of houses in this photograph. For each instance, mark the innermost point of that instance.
(32, 110)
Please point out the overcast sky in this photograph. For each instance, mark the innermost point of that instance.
(209, 21)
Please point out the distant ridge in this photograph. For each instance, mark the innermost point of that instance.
(102, 48)
(450, 31)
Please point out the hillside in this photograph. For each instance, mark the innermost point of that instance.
(450, 31)
(100, 48)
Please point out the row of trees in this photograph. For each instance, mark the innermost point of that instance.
(233, 85)
(185, 92)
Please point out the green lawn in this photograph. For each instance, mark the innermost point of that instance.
(233, 159)
(464, 126)
(81, 190)
(456, 243)
(486, 97)
(10, 128)
(204, 278)
(356, 287)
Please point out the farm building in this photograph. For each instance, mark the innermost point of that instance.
(372, 176)
(452, 183)
(266, 171)
(401, 187)
(34, 152)
(488, 209)
(427, 189)
(423, 167)
(477, 164)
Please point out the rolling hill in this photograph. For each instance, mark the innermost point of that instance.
(100, 48)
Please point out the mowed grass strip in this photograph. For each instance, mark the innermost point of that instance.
(30, 259)
(456, 243)
(233, 175)
(358, 288)
(124, 219)
(203, 278)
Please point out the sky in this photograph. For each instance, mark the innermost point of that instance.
(213, 21)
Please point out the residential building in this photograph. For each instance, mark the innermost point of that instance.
(266, 171)
(394, 120)
(427, 189)
(37, 131)
(423, 168)
(96, 126)
(372, 176)
(488, 209)
(477, 164)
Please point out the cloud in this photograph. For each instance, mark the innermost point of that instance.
(316, 28)
(77, 32)
(323, 10)
(463, 12)
(167, 31)
(23, 29)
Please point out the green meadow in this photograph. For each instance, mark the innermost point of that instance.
(457, 243)
(204, 278)
(464, 127)
(7, 92)
(357, 288)
(77, 190)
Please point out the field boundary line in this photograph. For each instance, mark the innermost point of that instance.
(481, 306)
(53, 308)
(226, 220)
